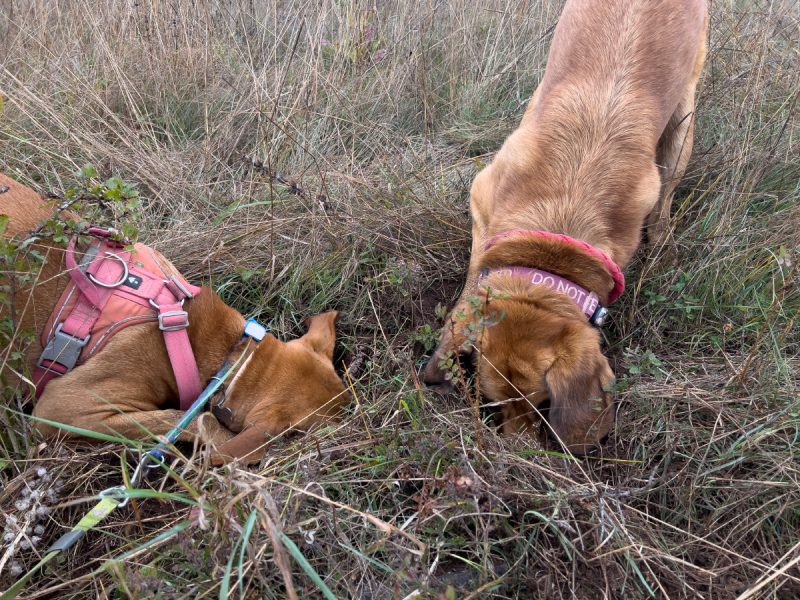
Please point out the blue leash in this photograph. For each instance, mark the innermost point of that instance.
(253, 330)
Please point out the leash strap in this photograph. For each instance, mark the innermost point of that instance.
(90, 520)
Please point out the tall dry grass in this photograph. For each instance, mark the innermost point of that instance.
(369, 119)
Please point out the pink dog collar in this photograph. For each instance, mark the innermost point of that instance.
(612, 267)
(587, 301)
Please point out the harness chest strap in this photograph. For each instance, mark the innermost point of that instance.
(110, 289)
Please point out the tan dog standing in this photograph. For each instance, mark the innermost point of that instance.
(128, 387)
(603, 142)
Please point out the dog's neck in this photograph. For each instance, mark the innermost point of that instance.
(554, 256)
(214, 331)
(242, 354)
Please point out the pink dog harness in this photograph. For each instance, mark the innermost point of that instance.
(110, 289)
(587, 301)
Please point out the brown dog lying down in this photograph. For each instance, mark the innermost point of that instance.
(129, 388)
(601, 146)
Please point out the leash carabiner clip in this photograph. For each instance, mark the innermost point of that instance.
(147, 461)
(115, 492)
(116, 284)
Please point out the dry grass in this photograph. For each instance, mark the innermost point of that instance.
(372, 117)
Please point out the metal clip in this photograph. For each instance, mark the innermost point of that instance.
(117, 283)
(116, 492)
(599, 317)
(63, 348)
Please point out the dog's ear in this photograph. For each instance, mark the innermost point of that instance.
(249, 446)
(321, 334)
(578, 383)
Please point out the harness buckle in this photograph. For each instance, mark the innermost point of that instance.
(173, 320)
(63, 349)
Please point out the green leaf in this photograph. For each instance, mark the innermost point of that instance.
(87, 172)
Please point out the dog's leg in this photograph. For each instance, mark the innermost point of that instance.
(517, 417)
(672, 156)
(673, 151)
(115, 416)
(452, 336)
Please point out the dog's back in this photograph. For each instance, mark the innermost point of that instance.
(626, 52)
(25, 208)
(584, 157)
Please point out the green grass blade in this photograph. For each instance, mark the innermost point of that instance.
(306, 566)
(382, 566)
(248, 530)
(639, 574)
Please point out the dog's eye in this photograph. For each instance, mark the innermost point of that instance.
(465, 356)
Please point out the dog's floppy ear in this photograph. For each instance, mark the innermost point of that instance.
(321, 334)
(581, 408)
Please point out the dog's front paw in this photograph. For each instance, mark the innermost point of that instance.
(210, 431)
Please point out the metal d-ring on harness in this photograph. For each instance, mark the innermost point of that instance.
(116, 496)
(122, 278)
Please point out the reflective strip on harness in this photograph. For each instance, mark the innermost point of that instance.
(111, 288)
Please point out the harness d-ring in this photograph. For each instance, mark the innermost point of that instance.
(122, 279)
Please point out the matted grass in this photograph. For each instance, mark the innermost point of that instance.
(369, 120)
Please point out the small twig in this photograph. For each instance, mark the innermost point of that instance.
(65, 205)
(291, 185)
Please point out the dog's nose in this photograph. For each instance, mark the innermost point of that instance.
(434, 377)
(223, 414)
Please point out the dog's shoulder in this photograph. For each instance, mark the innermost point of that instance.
(24, 207)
